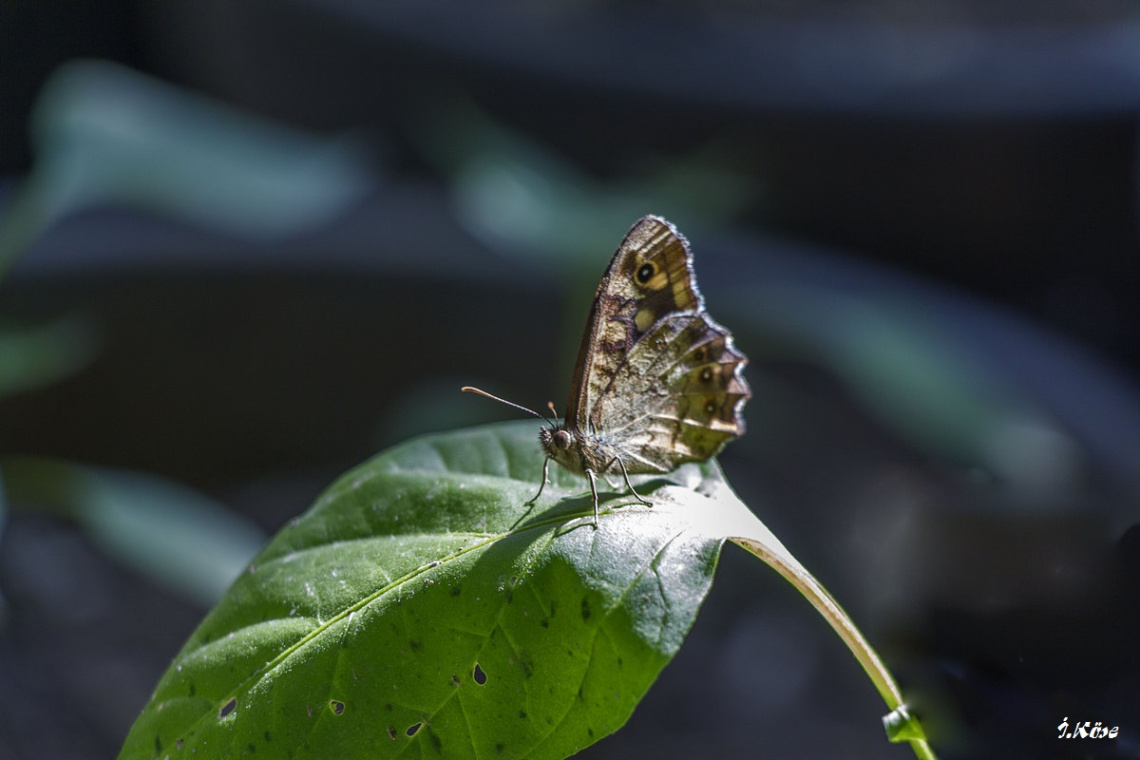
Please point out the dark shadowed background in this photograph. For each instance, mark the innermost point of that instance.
(245, 246)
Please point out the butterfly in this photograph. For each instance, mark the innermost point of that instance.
(657, 383)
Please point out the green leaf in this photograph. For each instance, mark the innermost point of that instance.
(35, 356)
(104, 133)
(170, 533)
(420, 606)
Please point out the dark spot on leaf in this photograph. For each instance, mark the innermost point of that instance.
(590, 731)
(514, 579)
(619, 662)
(528, 671)
(580, 697)
(454, 680)
(157, 745)
(228, 707)
(415, 645)
(336, 706)
(388, 707)
(393, 733)
(522, 714)
(267, 736)
(545, 623)
(435, 741)
(250, 749)
(498, 746)
(456, 591)
(585, 609)
(432, 564)
(510, 596)
(193, 689)
(413, 728)
(479, 676)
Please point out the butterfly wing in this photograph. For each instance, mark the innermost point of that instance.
(686, 377)
(657, 379)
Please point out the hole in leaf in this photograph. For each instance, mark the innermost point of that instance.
(479, 676)
(413, 728)
(336, 706)
(228, 707)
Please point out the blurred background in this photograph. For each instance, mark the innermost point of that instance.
(246, 245)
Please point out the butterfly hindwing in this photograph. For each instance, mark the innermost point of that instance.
(685, 374)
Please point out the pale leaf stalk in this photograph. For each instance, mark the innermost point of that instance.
(734, 521)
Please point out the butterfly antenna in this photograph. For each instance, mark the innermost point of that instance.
(469, 389)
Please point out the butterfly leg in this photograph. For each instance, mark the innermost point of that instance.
(629, 485)
(545, 472)
(594, 490)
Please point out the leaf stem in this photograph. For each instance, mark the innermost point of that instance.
(786, 565)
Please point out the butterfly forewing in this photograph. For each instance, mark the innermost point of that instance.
(649, 277)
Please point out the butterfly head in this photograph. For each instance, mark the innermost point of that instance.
(559, 444)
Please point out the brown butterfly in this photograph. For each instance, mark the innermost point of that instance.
(658, 383)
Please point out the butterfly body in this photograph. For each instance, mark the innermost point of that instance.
(657, 382)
